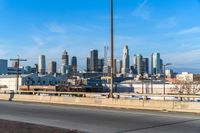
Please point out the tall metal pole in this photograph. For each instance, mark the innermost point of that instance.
(17, 73)
(164, 82)
(111, 49)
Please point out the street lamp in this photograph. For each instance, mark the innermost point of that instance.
(164, 66)
(111, 49)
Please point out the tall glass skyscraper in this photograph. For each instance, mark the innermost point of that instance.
(125, 60)
(138, 64)
(52, 67)
(118, 66)
(94, 60)
(65, 62)
(74, 64)
(145, 67)
(42, 64)
(155, 63)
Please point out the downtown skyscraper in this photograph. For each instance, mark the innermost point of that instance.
(94, 60)
(141, 65)
(125, 61)
(74, 64)
(42, 65)
(94, 64)
(156, 64)
(52, 66)
(65, 63)
(138, 64)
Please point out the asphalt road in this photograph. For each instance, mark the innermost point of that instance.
(96, 120)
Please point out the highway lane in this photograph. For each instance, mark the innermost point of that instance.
(99, 120)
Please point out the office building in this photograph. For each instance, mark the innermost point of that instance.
(74, 64)
(155, 63)
(88, 64)
(138, 64)
(3, 66)
(100, 65)
(118, 66)
(64, 62)
(42, 65)
(161, 66)
(52, 67)
(94, 60)
(125, 61)
(145, 67)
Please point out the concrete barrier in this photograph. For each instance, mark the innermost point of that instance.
(177, 106)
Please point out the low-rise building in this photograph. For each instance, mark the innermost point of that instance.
(185, 76)
(9, 82)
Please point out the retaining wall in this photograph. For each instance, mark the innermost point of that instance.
(177, 106)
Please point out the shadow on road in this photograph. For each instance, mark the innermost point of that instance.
(156, 126)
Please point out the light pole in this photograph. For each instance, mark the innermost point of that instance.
(111, 49)
(164, 66)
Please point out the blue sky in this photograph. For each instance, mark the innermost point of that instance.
(33, 27)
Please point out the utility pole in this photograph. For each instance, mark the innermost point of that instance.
(111, 49)
(164, 91)
(18, 60)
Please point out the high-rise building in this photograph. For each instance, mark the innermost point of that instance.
(74, 64)
(155, 63)
(88, 64)
(138, 64)
(52, 67)
(114, 68)
(161, 66)
(100, 65)
(145, 67)
(36, 69)
(65, 62)
(42, 65)
(118, 66)
(94, 60)
(125, 61)
(3, 66)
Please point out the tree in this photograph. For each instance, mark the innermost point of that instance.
(187, 88)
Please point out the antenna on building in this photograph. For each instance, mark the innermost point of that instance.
(18, 60)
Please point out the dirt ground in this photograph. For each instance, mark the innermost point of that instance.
(20, 127)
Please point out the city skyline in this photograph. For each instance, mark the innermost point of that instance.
(38, 27)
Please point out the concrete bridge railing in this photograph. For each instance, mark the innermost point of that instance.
(176, 106)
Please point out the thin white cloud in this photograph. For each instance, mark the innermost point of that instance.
(190, 30)
(55, 28)
(184, 58)
(38, 41)
(142, 10)
(168, 23)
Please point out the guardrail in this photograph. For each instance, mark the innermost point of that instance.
(104, 95)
